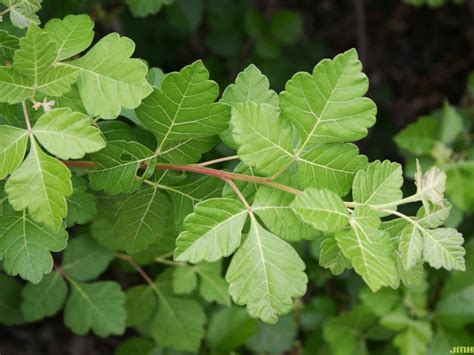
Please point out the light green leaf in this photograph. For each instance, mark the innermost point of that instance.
(443, 248)
(183, 107)
(460, 177)
(431, 185)
(264, 139)
(323, 209)
(368, 249)
(40, 184)
(67, 134)
(84, 259)
(330, 166)
(274, 208)
(184, 280)
(72, 34)
(411, 246)
(378, 184)
(331, 256)
(23, 12)
(14, 87)
(141, 220)
(13, 143)
(10, 301)
(419, 137)
(44, 299)
(328, 106)
(142, 8)
(8, 45)
(381, 302)
(265, 274)
(109, 79)
(140, 304)
(412, 277)
(97, 306)
(230, 328)
(415, 339)
(117, 167)
(213, 286)
(435, 217)
(179, 324)
(25, 246)
(213, 231)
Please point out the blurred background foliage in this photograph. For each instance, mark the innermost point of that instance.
(418, 55)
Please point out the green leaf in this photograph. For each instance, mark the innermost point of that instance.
(179, 324)
(459, 180)
(143, 8)
(23, 12)
(331, 256)
(368, 249)
(189, 150)
(443, 248)
(379, 183)
(381, 302)
(328, 106)
(141, 220)
(451, 124)
(213, 231)
(84, 259)
(97, 306)
(10, 301)
(435, 216)
(25, 246)
(109, 79)
(431, 185)
(13, 143)
(44, 299)
(420, 137)
(40, 184)
(330, 166)
(323, 209)
(117, 167)
(81, 208)
(8, 45)
(265, 274)
(136, 345)
(415, 339)
(183, 107)
(264, 139)
(286, 26)
(213, 286)
(72, 35)
(274, 208)
(230, 328)
(14, 87)
(67, 134)
(140, 304)
(411, 246)
(184, 280)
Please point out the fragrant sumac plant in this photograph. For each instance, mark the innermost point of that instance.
(95, 144)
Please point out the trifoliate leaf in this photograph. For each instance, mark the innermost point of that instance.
(23, 12)
(443, 248)
(420, 137)
(431, 185)
(117, 167)
(109, 79)
(212, 231)
(274, 208)
(330, 166)
(141, 220)
(368, 249)
(411, 246)
(265, 274)
(96, 306)
(323, 209)
(142, 8)
(44, 299)
(8, 45)
(328, 106)
(179, 324)
(25, 246)
(331, 256)
(213, 286)
(84, 259)
(67, 134)
(40, 184)
(183, 107)
(379, 183)
(72, 34)
(265, 140)
(140, 304)
(13, 143)
(10, 301)
(230, 328)
(184, 280)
